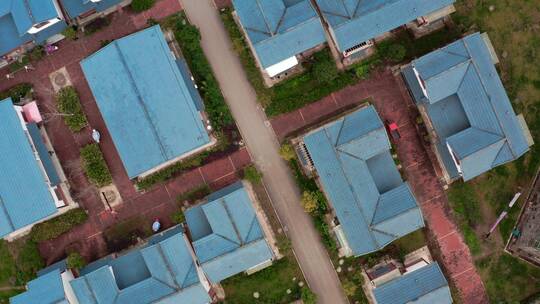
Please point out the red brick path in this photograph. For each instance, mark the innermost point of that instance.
(392, 101)
(159, 202)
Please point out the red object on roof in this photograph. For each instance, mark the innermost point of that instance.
(31, 112)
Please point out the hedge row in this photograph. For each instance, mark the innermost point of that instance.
(70, 108)
(57, 226)
(95, 166)
(189, 39)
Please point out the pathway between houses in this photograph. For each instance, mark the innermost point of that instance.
(263, 145)
(390, 97)
(158, 202)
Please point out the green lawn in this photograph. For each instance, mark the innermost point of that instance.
(271, 283)
(510, 26)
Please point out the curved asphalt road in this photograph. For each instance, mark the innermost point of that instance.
(264, 147)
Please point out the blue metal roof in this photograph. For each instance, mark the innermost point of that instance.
(468, 107)
(426, 285)
(144, 100)
(17, 17)
(46, 289)
(162, 271)
(279, 29)
(356, 21)
(75, 8)
(372, 203)
(227, 236)
(43, 152)
(24, 194)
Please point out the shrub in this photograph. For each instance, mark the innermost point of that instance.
(349, 288)
(29, 261)
(308, 297)
(95, 166)
(286, 151)
(172, 170)
(59, 225)
(142, 5)
(194, 194)
(252, 175)
(223, 142)
(37, 53)
(392, 51)
(70, 33)
(69, 105)
(189, 38)
(178, 217)
(310, 201)
(96, 25)
(17, 92)
(75, 261)
(324, 71)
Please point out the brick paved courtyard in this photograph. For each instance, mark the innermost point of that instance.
(390, 97)
(158, 202)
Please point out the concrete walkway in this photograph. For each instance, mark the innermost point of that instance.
(263, 146)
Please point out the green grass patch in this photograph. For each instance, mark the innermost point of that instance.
(321, 76)
(5, 295)
(59, 225)
(320, 79)
(508, 26)
(510, 280)
(8, 268)
(252, 175)
(94, 165)
(70, 108)
(271, 283)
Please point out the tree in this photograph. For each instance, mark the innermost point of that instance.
(310, 201)
(75, 261)
(308, 297)
(287, 152)
(252, 175)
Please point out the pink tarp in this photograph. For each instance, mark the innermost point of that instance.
(31, 112)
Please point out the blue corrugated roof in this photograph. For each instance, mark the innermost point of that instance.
(426, 285)
(24, 194)
(279, 29)
(227, 236)
(75, 8)
(356, 21)
(158, 272)
(372, 203)
(144, 100)
(43, 152)
(17, 17)
(46, 289)
(468, 107)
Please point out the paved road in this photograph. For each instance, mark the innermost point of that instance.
(263, 145)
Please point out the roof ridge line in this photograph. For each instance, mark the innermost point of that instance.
(140, 99)
(264, 17)
(403, 212)
(489, 96)
(243, 246)
(468, 61)
(352, 190)
(222, 202)
(499, 152)
(363, 135)
(162, 254)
